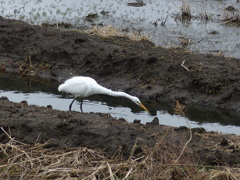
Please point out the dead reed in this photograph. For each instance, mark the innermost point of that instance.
(232, 18)
(164, 161)
(185, 9)
(109, 31)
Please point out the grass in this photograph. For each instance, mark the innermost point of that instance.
(109, 31)
(23, 161)
(28, 67)
(185, 9)
(203, 14)
(232, 18)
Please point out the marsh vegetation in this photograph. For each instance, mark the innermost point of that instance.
(162, 22)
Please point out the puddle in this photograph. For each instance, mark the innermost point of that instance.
(43, 93)
(159, 20)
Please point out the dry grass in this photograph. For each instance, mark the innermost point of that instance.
(164, 161)
(185, 9)
(232, 18)
(109, 31)
(203, 14)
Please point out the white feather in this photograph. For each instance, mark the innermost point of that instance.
(81, 86)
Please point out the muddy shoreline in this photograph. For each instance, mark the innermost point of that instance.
(136, 67)
(33, 124)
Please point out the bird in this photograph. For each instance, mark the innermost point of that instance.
(83, 87)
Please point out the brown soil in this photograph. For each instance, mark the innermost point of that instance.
(137, 67)
(32, 124)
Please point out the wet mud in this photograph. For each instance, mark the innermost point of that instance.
(33, 124)
(136, 67)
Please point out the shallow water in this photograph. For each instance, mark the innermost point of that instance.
(43, 93)
(196, 34)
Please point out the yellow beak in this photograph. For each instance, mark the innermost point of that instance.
(144, 107)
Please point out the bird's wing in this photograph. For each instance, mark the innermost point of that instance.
(80, 86)
(80, 89)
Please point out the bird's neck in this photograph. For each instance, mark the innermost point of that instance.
(103, 90)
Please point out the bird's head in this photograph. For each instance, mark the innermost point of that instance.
(138, 102)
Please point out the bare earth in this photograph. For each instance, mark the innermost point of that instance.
(136, 67)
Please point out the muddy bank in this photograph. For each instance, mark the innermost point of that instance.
(32, 124)
(138, 68)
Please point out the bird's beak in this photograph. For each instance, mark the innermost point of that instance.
(144, 107)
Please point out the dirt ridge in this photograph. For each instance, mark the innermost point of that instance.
(33, 124)
(137, 67)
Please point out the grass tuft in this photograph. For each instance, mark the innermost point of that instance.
(232, 18)
(109, 31)
(185, 9)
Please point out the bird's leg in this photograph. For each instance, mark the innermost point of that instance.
(70, 106)
(81, 105)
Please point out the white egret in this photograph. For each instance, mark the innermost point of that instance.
(81, 86)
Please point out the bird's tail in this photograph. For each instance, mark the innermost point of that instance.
(60, 88)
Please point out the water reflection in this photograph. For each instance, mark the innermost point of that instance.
(213, 115)
(11, 82)
(44, 92)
